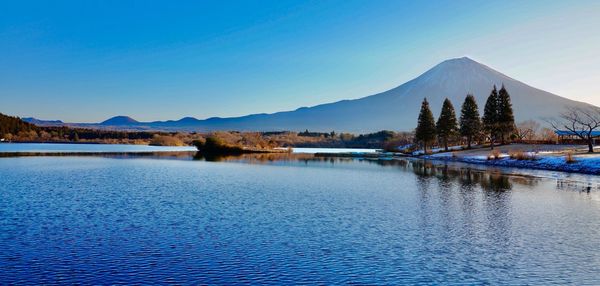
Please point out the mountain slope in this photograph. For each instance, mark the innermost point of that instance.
(395, 109)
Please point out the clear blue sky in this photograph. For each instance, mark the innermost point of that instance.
(84, 61)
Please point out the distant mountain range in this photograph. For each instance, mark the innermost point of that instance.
(395, 109)
(42, 122)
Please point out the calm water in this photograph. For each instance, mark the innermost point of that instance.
(295, 219)
(109, 148)
(85, 148)
(332, 150)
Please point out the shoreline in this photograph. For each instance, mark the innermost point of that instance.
(543, 163)
(535, 164)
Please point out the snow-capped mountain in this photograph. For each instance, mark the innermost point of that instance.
(395, 109)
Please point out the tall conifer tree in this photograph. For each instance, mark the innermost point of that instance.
(506, 118)
(425, 132)
(446, 126)
(470, 123)
(491, 116)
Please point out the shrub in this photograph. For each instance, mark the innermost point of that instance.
(521, 155)
(494, 154)
(215, 145)
(569, 158)
(165, 140)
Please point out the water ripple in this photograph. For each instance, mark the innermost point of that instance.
(86, 220)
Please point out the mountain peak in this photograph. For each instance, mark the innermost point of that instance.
(460, 74)
(188, 119)
(463, 61)
(119, 120)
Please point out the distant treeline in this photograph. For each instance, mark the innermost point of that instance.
(13, 125)
(265, 140)
(95, 134)
(15, 129)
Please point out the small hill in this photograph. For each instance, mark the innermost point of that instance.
(119, 121)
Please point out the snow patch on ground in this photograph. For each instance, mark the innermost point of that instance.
(588, 164)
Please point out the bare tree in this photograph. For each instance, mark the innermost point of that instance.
(580, 122)
(547, 134)
(527, 130)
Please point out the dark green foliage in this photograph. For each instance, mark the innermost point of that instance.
(307, 133)
(446, 126)
(491, 116)
(96, 134)
(506, 118)
(470, 124)
(346, 140)
(425, 132)
(371, 140)
(498, 117)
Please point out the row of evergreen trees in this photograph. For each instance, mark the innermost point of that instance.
(498, 121)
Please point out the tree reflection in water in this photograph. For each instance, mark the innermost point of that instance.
(488, 178)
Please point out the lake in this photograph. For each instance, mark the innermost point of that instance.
(85, 148)
(125, 148)
(292, 219)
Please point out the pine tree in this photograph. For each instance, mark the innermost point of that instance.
(470, 124)
(506, 118)
(446, 126)
(491, 116)
(425, 131)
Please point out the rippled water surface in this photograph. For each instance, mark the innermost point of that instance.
(263, 220)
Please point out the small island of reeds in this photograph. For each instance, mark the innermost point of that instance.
(215, 145)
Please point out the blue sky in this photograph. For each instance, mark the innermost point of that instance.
(84, 61)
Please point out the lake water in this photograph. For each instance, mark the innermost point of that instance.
(332, 150)
(85, 148)
(277, 219)
(123, 148)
